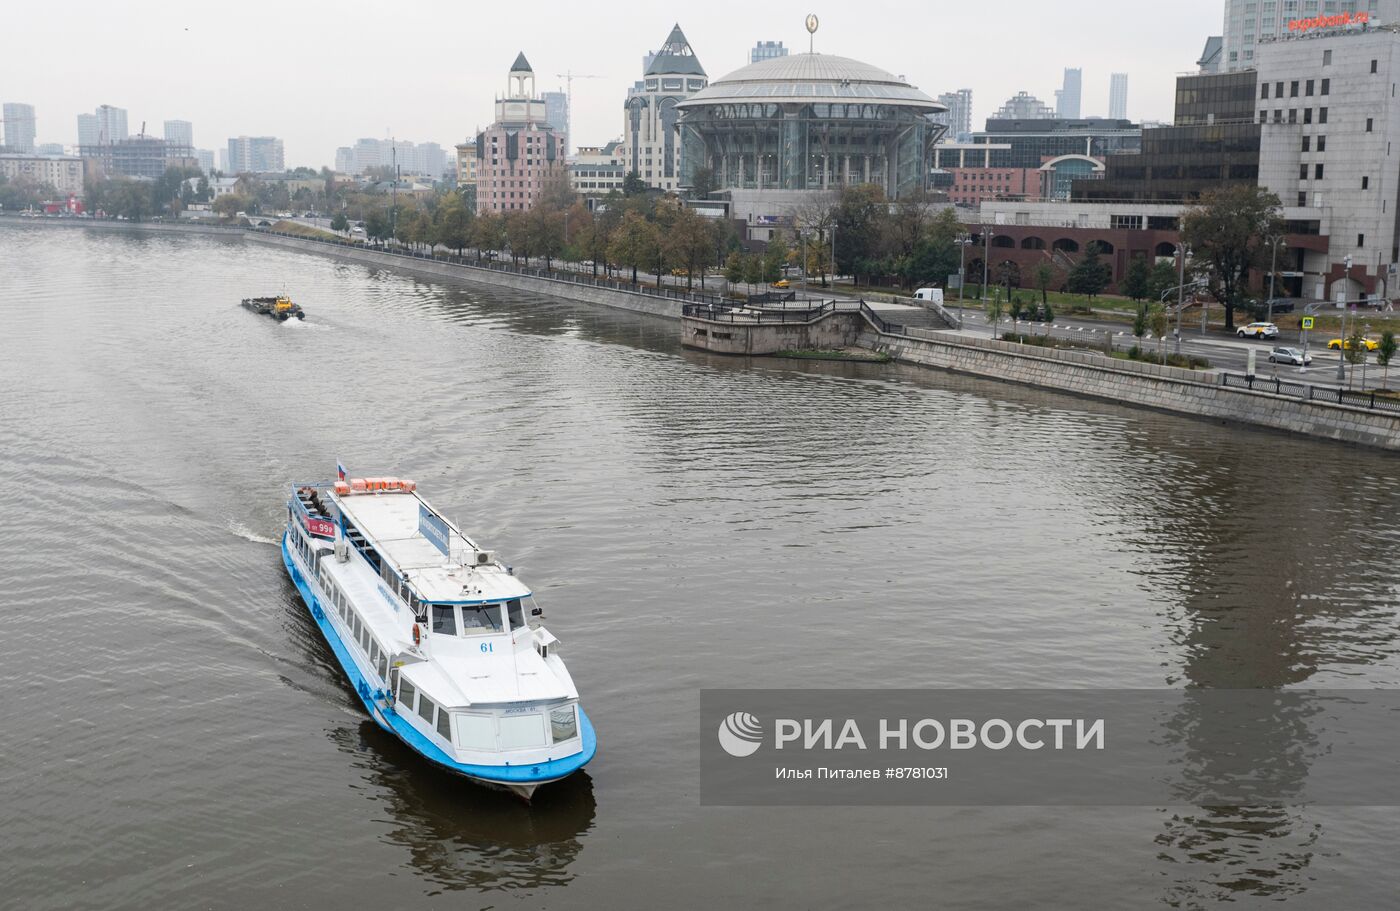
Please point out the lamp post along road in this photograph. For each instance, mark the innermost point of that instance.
(1342, 348)
(1180, 292)
(986, 258)
(1274, 241)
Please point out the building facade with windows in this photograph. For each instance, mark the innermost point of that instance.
(1251, 23)
(1118, 96)
(520, 153)
(959, 116)
(255, 154)
(767, 50)
(598, 170)
(1029, 143)
(179, 133)
(651, 143)
(1329, 118)
(64, 174)
(1069, 98)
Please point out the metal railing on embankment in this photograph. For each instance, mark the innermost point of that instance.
(767, 316)
(1306, 392)
(572, 278)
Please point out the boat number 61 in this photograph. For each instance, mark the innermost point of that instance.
(488, 647)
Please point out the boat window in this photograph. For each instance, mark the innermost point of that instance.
(476, 732)
(364, 639)
(425, 708)
(563, 725)
(406, 693)
(444, 724)
(444, 619)
(481, 618)
(383, 666)
(522, 731)
(517, 614)
(373, 652)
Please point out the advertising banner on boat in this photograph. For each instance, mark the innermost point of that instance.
(435, 530)
(321, 528)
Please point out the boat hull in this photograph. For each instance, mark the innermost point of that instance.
(521, 780)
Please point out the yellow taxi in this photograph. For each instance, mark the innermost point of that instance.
(1370, 344)
(782, 283)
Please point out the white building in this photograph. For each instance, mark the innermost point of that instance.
(179, 133)
(598, 170)
(19, 127)
(1068, 99)
(1118, 96)
(1330, 149)
(959, 116)
(1248, 23)
(256, 154)
(651, 146)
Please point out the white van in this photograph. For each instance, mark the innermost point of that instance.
(930, 294)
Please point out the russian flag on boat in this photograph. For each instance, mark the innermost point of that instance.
(339, 470)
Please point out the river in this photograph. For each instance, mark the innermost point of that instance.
(178, 735)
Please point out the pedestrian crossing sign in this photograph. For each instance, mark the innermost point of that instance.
(1308, 322)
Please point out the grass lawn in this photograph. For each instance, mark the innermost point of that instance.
(301, 230)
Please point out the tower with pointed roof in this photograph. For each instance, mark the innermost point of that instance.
(651, 145)
(519, 154)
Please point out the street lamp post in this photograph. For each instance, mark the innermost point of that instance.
(1184, 251)
(1274, 241)
(963, 242)
(986, 259)
(1346, 294)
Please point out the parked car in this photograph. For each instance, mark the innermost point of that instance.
(1281, 305)
(1370, 343)
(1294, 356)
(782, 283)
(1258, 330)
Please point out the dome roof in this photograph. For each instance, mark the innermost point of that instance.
(814, 77)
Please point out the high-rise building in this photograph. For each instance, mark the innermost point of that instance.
(1024, 106)
(1068, 98)
(427, 159)
(111, 124)
(256, 154)
(205, 157)
(959, 116)
(19, 127)
(87, 130)
(179, 133)
(556, 114)
(519, 154)
(49, 148)
(650, 144)
(1249, 23)
(1118, 96)
(767, 50)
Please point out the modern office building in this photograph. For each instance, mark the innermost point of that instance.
(767, 50)
(63, 174)
(811, 122)
(557, 115)
(19, 127)
(1069, 97)
(520, 153)
(598, 170)
(1030, 143)
(137, 156)
(959, 115)
(255, 154)
(87, 130)
(1250, 23)
(179, 133)
(651, 143)
(1213, 143)
(1024, 106)
(111, 124)
(205, 157)
(1118, 96)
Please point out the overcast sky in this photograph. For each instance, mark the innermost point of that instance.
(321, 74)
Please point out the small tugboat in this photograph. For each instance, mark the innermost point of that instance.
(442, 643)
(280, 308)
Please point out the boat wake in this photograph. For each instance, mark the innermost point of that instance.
(247, 534)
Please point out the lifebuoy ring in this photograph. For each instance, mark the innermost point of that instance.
(417, 635)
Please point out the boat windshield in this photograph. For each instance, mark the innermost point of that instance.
(444, 619)
(480, 618)
(517, 614)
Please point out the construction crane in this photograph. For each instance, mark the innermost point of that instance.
(569, 78)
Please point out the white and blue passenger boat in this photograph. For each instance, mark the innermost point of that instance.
(442, 642)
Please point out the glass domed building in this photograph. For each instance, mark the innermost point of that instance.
(810, 122)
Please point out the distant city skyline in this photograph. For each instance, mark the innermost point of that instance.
(455, 81)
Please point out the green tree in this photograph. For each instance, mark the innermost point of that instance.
(1157, 319)
(452, 223)
(340, 223)
(1226, 232)
(548, 233)
(688, 243)
(1044, 277)
(1089, 276)
(633, 185)
(1385, 353)
(860, 215)
(1160, 279)
(774, 258)
(994, 312)
(1140, 323)
(703, 183)
(1136, 279)
(489, 233)
(735, 268)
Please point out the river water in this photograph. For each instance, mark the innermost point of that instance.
(176, 734)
